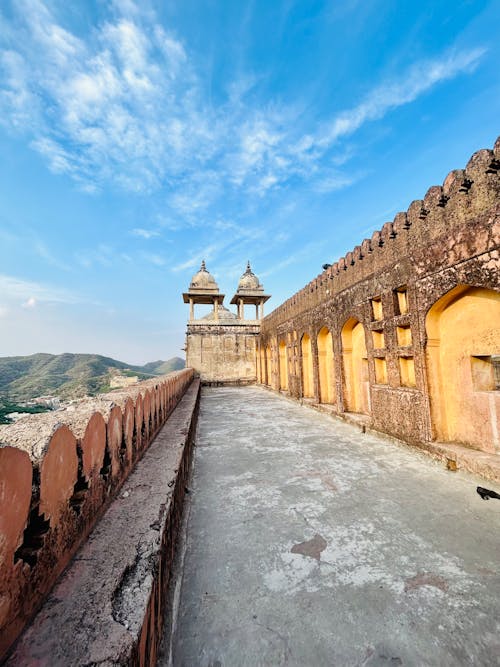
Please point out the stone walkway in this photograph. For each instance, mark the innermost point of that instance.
(309, 543)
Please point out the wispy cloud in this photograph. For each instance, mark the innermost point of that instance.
(29, 303)
(17, 290)
(124, 105)
(155, 259)
(332, 181)
(144, 233)
(309, 249)
(103, 255)
(420, 78)
(207, 254)
(43, 251)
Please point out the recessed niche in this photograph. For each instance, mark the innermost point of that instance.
(380, 370)
(407, 371)
(378, 340)
(401, 301)
(377, 312)
(404, 336)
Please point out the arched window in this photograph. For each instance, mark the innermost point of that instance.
(307, 368)
(355, 364)
(283, 363)
(325, 366)
(463, 363)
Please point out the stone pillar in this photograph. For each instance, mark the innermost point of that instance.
(242, 309)
(191, 310)
(216, 309)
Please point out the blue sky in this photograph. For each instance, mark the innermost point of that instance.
(138, 139)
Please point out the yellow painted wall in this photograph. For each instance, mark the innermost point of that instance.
(307, 369)
(283, 362)
(269, 368)
(462, 326)
(325, 366)
(355, 362)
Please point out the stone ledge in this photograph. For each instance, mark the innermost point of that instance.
(465, 458)
(108, 607)
(480, 463)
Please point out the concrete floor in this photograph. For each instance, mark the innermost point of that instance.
(310, 543)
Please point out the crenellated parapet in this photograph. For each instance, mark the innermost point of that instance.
(406, 314)
(465, 196)
(59, 471)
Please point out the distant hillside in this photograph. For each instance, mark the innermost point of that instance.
(69, 375)
(163, 367)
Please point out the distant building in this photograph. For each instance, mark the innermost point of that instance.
(222, 346)
(118, 381)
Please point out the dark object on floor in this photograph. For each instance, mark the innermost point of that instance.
(486, 494)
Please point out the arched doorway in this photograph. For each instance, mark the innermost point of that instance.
(355, 362)
(268, 365)
(325, 366)
(463, 362)
(307, 368)
(263, 369)
(283, 363)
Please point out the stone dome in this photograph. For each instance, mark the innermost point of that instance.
(249, 280)
(203, 279)
(224, 314)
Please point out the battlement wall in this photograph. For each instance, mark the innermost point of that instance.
(59, 471)
(465, 196)
(386, 331)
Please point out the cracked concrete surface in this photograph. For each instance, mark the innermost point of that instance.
(311, 543)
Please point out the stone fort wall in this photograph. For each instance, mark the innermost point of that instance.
(223, 353)
(59, 472)
(403, 332)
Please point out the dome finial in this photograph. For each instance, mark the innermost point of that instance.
(249, 270)
(203, 266)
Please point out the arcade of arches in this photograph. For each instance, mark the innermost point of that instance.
(459, 366)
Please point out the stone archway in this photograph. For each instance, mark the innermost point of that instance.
(283, 365)
(325, 366)
(307, 367)
(263, 370)
(463, 363)
(269, 372)
(355, 365)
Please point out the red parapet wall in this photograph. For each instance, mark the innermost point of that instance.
(58, 473)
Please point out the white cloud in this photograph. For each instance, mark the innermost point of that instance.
(417, 80)
(144, 233)
(157, 260)
(125, 105)
(17, 290)
(330, 182)
(102, 255)
(207, 254)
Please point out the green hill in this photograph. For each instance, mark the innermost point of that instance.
(164, 367)
(69, 375)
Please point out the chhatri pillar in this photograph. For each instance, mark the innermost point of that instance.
(250, 291)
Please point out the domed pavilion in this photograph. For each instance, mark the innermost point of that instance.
(252, 292)
(222, 346)
(203, 290)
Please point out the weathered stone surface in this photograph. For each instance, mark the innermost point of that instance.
(108, 607)
(79, 457)
(398, 558)
(389, 365)
(223, 353)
